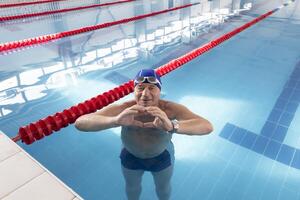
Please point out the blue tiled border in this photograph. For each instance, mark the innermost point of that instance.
(270, 140)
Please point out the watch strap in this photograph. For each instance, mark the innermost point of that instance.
(175, 125)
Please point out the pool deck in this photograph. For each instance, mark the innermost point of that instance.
(22, 177)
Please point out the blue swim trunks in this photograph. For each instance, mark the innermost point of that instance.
(154, 164)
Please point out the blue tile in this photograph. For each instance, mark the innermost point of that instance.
(279, 133)
(275, 115)
(268, 129)
(291, 107)
(238, 135)
(227, 131)
(260, 144)
(295, 96)
(293, 78)
(298, 85)
(296, 73)
(286, 93)
(248, 140)
(280, 104)
(296, 160)
(291, 83)
(285, 154)
(286, 119)
(272, 149)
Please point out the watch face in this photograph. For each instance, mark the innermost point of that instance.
(176, 125)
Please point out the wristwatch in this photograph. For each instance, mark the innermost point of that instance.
(175, 124)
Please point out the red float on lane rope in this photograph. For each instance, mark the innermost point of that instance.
(28, 3)
(46, 38)
(8, 18)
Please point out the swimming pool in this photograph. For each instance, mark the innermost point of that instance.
(246, 87)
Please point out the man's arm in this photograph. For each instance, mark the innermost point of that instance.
(100, 120)
(189, 122)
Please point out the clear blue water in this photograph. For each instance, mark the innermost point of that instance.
(248, 87)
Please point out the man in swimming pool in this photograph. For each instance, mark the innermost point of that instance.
(148, 123)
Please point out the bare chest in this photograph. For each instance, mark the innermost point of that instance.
(144, 142)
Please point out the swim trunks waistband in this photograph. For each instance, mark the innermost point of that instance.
(154, 164)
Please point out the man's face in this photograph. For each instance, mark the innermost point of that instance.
(146, 94)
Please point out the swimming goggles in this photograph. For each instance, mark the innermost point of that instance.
(147, 79)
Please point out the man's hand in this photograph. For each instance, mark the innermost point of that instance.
(130, 115)
(161, 120)
(127, 116)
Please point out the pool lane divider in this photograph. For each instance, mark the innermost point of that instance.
(28, 3)
(22, 16)
(45, 127)
(8, 46)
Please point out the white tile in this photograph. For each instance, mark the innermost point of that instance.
(16, 171)
(44, 187)
(7, 149)
(76, 198)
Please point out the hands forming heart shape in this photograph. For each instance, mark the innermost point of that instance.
(144, 117)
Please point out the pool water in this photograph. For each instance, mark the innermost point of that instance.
(248, 87)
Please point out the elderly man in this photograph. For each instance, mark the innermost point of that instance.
(148, 123)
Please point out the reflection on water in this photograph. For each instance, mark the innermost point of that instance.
(33, 84)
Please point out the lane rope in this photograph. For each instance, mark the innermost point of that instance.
(45, 127)
(22, 16)
(27, 3)
(8, 46)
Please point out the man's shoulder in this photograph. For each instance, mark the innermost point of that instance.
(165, 104)
(169, 107)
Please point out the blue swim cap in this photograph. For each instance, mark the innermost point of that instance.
(147, 76)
